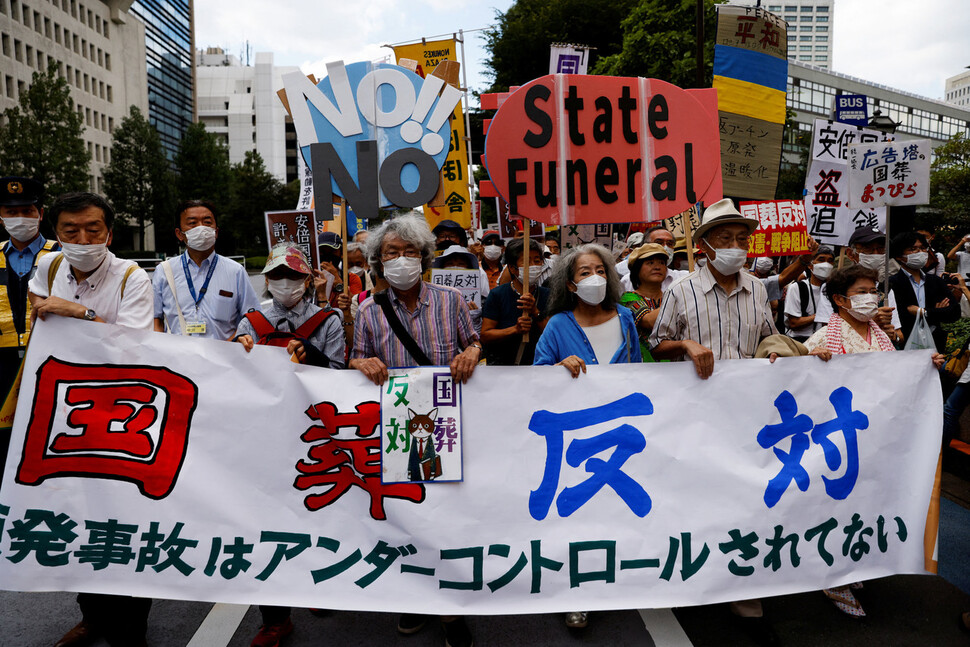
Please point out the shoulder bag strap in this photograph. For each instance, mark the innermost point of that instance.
(124, 281)
(167, 269)
(52, 272)
(400, 331)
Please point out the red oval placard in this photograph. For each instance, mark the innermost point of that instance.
(575, 149)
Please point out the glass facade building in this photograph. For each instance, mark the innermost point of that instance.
(169, 52)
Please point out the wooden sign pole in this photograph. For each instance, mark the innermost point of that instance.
(688, 240)
(343, 235)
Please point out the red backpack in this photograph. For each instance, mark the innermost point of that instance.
(268, 335)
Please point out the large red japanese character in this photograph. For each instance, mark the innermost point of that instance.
(340, 463)
(129, 423)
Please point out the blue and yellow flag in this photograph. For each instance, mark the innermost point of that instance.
(751, 79)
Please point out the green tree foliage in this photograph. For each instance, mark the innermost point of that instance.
(791, 175)
(203, 167)
(950, 185)
(41, 137)
(518, 45)
(254, 191)
(659, 42)
(138, 181)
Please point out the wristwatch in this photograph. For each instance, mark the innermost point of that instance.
(90, 314)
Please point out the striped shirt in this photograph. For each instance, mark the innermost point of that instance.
(731, 325)
(440, 324)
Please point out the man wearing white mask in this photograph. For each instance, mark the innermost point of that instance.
(801, 301)
(86, 281)
(916, 291)
(200, 293)
(493, 247)
(20, 215)
(413, 323)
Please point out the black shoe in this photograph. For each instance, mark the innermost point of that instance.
(411, 623)
(759, 631)
(457, 633)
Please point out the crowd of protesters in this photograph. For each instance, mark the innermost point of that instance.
(540, 305)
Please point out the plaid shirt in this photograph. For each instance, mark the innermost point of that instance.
(440, 324)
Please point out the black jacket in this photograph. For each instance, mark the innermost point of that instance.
(936, 291)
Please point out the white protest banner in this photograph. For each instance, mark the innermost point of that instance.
(576, 235)
(830, 220)
(162, 466)
(890, 173)
(468, 282)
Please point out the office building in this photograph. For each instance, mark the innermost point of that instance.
(239, 103)
(958, 89)
(169, 44)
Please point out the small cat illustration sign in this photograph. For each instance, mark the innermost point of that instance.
(421, 426)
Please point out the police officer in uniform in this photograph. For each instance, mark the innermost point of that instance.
(21, 213)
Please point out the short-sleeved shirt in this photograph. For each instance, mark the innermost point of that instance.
(440, 324)
(795, 308)
(101, 291)
(501, 307)
(963, 263)
(698, 308)
(228, 296)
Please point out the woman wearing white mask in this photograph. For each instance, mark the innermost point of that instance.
(311, 334)
(851, 329)
(586, 326)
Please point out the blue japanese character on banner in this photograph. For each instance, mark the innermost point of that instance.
(625, 441)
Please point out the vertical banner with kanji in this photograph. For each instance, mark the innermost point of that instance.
(751, 78)
(452, 200)
(782, 230)
(830, 219)
(890, 173)
(297, 227)
(675, 225)
(420, 426)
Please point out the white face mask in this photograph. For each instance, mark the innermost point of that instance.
(864, 306)
(682, 265)
(403, 273)
(552, 259)
(592, 289)
(916, 261)
(535, 271)
(730, 260)
(492, 252)
(764, 265)
(966, 247)
(200, 238)
(288, 292)
(358, 270)
(22, 229)
(872, 261)
(821, 271)
(84, 258)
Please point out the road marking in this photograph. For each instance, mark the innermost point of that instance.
(219, 626)
(664, 628)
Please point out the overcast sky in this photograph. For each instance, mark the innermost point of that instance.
(907, 45)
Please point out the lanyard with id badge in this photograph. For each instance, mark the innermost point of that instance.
(196, 326)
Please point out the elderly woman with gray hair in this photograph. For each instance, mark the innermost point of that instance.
(586, 326)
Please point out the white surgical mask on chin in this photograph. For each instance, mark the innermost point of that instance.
(200, 238)
(729, 260)
(22, 229)
(84, 258)
(288, 292)
(403, 273)
(592, 290)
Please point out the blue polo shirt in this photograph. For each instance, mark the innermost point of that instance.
(228, 296)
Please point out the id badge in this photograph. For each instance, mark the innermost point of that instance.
(195, 327)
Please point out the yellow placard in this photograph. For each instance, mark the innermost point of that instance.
(453, 203)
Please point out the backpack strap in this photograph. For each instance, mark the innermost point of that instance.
(260, 323)
(170, 277)
(124, 281)
(310, 326)
(400, 331)
(803, 296)
(52, 272)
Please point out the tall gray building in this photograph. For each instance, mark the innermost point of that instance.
(99, 48)
(809, 28)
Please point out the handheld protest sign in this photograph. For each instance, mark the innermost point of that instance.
(375, 135)
(567, 149)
